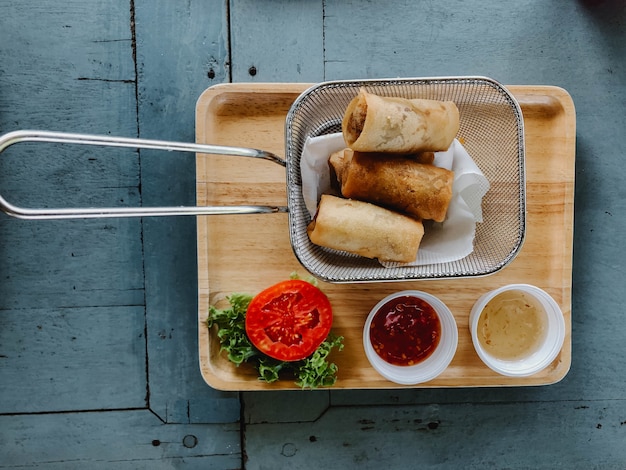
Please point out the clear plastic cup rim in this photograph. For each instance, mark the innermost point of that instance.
(432, 366)
(543, 356)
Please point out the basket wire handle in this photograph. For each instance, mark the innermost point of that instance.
(108, 212)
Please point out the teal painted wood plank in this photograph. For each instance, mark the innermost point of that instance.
(70, 179)
(116, 439)
(64, 63)
(573, 435)
(44, 264)
(182, 48)
(72, 359)
(68, 66)
(527, 42)
(260, 407)
(274, 41)
(303, 407)
(85, 80)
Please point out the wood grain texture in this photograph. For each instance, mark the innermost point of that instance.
(122, 439)
(68, 65)
(182, 47)
(67, 286)
(64, 65)
(261, 407)
(228, 245)
(70, 263)
(277, 41)
(576, 435)
(528, 42)
(47, 353)
(73, 316)
(575, 45)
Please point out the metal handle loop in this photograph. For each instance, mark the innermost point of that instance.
(15, 137)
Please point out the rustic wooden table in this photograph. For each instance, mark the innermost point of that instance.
(99, 362)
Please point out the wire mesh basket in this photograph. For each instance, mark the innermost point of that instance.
(492, 131)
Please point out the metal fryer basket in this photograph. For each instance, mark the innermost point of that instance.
(491, 130)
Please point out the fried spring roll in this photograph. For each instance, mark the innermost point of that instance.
(365, 229)
(337, 162)
(402, 184)
(427, 158)
(373, 123)
(341, 159)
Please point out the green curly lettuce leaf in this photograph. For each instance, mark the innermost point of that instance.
(231, 328)
(315, 371)
(312, 372)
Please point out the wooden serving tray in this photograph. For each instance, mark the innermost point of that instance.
(247, 253)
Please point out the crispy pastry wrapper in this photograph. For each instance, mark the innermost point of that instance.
(403, 184)
(375, 123)
(365, 229)
(442, 242)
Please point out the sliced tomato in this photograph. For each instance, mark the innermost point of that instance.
(289, 320)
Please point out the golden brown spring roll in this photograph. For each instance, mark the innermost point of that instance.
(422, 190)
(373, 123)
(427, 158)
(365, 229)
(341, 159)
(337, 162)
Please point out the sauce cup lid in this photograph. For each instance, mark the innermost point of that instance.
(543, 356)
(430, 367)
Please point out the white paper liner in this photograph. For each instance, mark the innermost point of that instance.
(450, 240)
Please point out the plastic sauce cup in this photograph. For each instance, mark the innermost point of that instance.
(430, 367)
(546, 350)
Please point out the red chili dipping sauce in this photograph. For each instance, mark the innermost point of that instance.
(405, 331)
